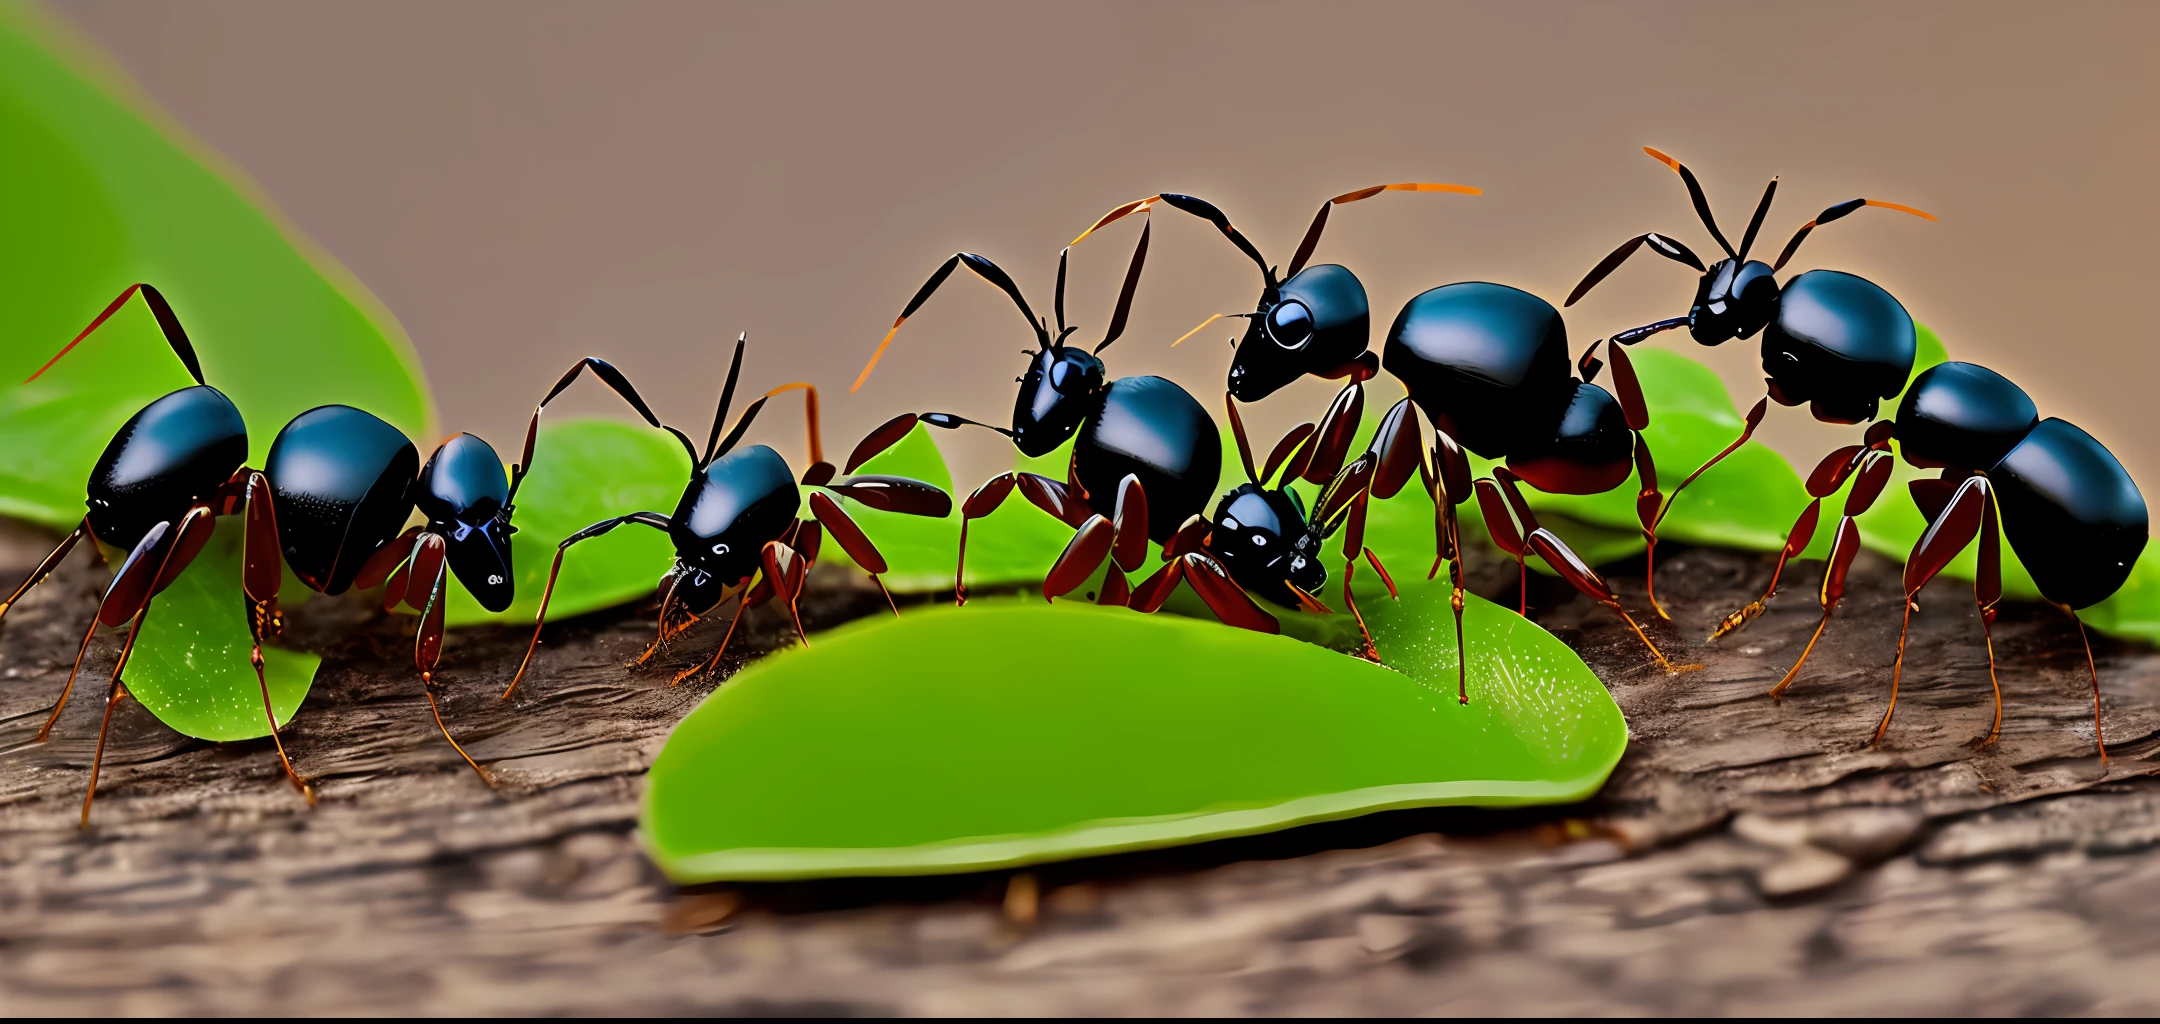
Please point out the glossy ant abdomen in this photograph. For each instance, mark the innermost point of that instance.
(1835, 342)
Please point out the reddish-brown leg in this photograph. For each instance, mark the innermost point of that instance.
(261, 573)
(128, 593)
(1223, 596)
(1945, 537)
(1827, 476)
(846, 533)
(1987, 590)
(46, 567)
(1083, 555)
(1664, 505)
(2093, 667)
(170, 557)
(652, 519)
(1043, 492)
(427, 644)
(713, 662)
(1874, 473)
(1578, 573)
(785, 568)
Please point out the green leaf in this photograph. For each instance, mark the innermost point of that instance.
(190, 665)
(102, 197)
(1012, 732)
(585, 471)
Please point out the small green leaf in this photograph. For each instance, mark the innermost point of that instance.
(190, 665)
(103, 197)
(585, 471)
(1011, 732)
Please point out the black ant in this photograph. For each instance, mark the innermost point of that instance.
(1835, 341)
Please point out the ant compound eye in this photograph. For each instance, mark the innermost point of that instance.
(1259, 540)
(1290, 324)
(719, 549)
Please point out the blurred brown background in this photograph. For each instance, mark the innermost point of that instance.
(524, 182)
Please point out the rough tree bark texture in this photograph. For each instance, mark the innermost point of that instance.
(1746, 857)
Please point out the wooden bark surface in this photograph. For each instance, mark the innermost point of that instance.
(1747, 857)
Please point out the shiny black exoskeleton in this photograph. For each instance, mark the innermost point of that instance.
(2067, 506)
(735, 529)
(465, 495)
(1262, 538)
(1488, 365)
(1144, 427)
(337, 486)
(1833, 341)
(1313, 320)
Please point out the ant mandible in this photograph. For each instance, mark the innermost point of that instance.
(1832, 340)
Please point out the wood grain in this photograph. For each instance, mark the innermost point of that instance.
(1746, 857)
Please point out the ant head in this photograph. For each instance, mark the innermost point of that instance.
(1734, 299)
(465, 493)
(730, 510)
(1062, 387)
(1261, 538)
(1313, 322)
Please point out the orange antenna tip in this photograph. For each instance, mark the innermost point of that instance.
(1662, 158)
(875, 356)
(1196, 330)
(1902, 208)
(1136, 206)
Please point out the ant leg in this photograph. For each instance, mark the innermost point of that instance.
(709, 664)
(1041, 491)
(1507, 533)
(2093, 667)
(1874, 473)
(1754, 419)
(1648, 501)
(1329, 445)
(1823, 481)
(1291, 443)
(1366, 649)
(46, 567)
(1987, 590)
(427, 645)
(113, 697)
(126, 595)
(652, 519)
(874, 443)
(1153, 591)
(785, 569)
(261, 573)
(1223, 596)
(852, 540)
(1128, 551)
(186, 541)
(1084, 554)
(1571, 567)
(662, 633)
(1945, 537)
